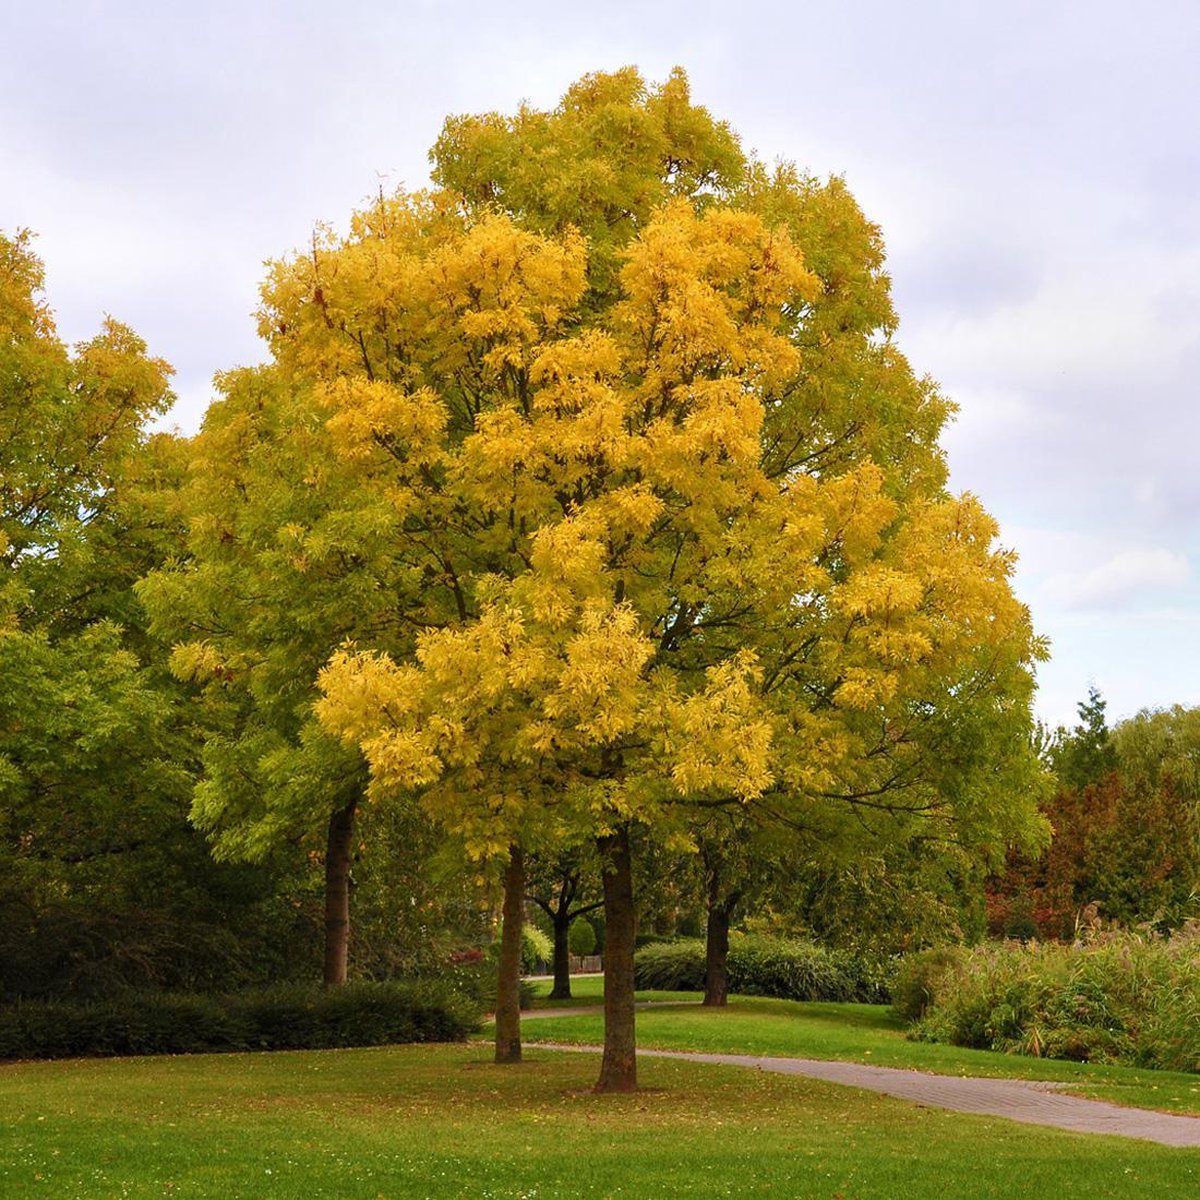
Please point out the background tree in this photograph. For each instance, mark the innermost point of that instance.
(565, 887)
(1126, 826)
(105, 885)
(1085, 754)
(737, 859)
(889, 899)
(1156, 875)
(281, 565)
(582, 938)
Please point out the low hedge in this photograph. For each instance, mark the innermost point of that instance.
(293, 1017)
(786, 968)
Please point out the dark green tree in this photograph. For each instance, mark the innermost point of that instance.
(102, 881)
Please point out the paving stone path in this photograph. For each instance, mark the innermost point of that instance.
(1034, 1103)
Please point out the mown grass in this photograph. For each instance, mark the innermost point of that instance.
(425, 1121)
(854, 1033)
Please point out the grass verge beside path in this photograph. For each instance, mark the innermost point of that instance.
(855, 1033)
(423, 1121)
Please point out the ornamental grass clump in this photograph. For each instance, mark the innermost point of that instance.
(922, 977)
(1124, 997)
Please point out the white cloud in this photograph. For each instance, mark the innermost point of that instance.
(1124, 578)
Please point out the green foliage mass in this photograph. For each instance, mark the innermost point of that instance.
(922, 978)
(1085, 753)
(1126, 821)
(103, 884)
(536, 948)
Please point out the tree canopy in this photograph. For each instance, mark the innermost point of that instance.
(1126, 821)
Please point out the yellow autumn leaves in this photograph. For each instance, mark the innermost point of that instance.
(649, 613)
(638, 500)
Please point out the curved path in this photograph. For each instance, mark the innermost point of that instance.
(1017, 1099)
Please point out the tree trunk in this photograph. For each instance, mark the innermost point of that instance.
(562, 955)
(508, 975)
(716, 955)
(618, 1071)
(338, 844)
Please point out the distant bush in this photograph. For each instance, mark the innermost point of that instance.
(670, 966)
(292, 1017)
(1123, 998)
(476, 976)
(922, 977)
(870, 978)
(791, 970)
(581, 937)
(786, 968)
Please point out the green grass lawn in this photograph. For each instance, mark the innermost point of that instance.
(855, 1033)
(443, 1121)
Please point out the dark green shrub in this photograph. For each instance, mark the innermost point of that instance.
(870, 979)
(790, 970)
(670, 966)
(166, 1023)
(581, 937)
(146, 1024)
(786, 968)
(277, 1018)
(292, 1017)
(476, 979)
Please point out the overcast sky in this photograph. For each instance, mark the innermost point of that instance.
(1035, 167)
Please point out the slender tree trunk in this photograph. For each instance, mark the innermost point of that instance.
(338, 845)
(618, 1071)
(716, 957)
(508, 981)
(562, 955)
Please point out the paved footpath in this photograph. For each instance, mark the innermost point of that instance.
(1034, 1103)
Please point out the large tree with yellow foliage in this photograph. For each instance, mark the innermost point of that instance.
(632, 403)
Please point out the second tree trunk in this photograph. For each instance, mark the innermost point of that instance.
(508, 974)
(338, 846)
